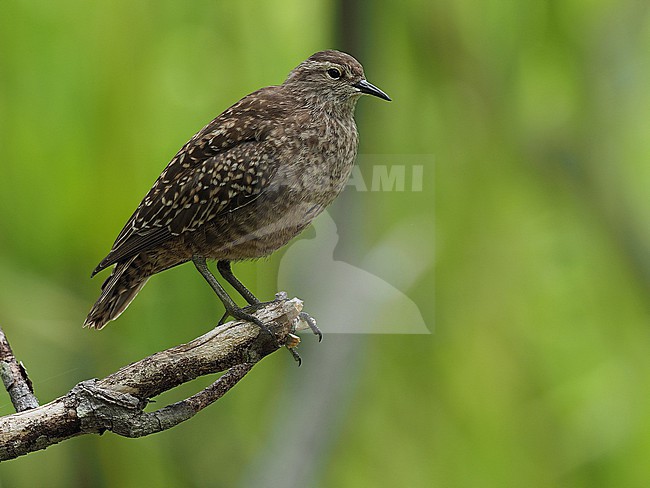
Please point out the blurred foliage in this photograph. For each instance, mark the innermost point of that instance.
(535, 213)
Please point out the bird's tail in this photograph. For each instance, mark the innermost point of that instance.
(119, 289)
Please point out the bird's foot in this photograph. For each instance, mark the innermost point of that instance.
(246, 310)
(292, 339)
(311, 322)
(254, 307)
(242, 314)
(302, 317)
(291, 344)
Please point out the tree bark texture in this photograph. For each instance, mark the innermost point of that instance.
(116, 402)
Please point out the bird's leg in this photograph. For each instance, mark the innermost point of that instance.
(296, 356)
(223, 318)
(311, 322)
(231, 307)
(224, 269)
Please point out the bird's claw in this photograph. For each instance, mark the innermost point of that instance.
(311, 322)
(292, 339)
(293, 351)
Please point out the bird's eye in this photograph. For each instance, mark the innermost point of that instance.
(334, 73)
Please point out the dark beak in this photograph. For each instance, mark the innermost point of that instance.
(370, 89)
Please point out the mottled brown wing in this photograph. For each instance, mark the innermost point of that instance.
(224, 166)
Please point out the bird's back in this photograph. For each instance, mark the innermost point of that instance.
(245, 184)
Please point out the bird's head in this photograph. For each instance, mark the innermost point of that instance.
(332, 77)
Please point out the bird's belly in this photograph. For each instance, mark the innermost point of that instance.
(304, 184)
(254, 231)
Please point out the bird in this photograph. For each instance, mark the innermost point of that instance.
(243, 186)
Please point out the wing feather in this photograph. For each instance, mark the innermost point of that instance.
(224, 166)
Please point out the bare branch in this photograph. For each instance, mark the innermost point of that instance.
(117, 402)
(14, 376)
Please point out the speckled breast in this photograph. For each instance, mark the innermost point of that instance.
(310, 173)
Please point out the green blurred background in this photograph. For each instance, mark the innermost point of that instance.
(534, 221)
